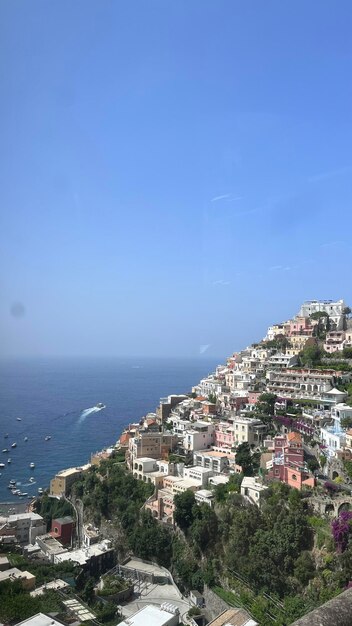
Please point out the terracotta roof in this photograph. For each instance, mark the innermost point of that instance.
(125, 437)
(297, 437)
(232, 617)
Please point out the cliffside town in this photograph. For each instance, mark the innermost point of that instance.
(206, 484)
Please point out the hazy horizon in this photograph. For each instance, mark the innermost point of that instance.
(174, 176)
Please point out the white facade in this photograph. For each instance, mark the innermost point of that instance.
(252, 488)
(216, 461)
(27, 526)
(204, 496)
(151, 615)
(200, 437)
(333, 309)
(282, 360)
(199, 474)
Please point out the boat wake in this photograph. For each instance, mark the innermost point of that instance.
(86, 412)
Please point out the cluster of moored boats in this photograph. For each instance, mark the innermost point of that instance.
(22, 494)
(13, 483)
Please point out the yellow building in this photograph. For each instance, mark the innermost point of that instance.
(61, 484)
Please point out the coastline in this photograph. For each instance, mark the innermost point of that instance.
(13, 508)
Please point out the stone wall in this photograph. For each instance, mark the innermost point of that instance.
(336, 611)
(214, 604)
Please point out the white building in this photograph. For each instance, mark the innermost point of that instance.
(199, 437)
(216, 461)
(165, 615)
(40, 619)
(199, 474)
(204, 496)
(333, 309)
(251, 488)
(26, 526)
(282, 360)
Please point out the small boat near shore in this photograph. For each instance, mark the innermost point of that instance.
(32, 465)
(40, 490)
(25, 439)
(14, 445)
(2, 464)
(5, 450)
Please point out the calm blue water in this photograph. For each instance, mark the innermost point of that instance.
(50, 396)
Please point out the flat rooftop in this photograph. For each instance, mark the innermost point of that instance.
(82, 555)
(15, 574)
(40, 619)
(54, 585)
(140, 566)
(22, 516)
(150, 615)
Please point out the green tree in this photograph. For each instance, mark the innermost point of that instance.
(313, 464)
(184, 509)
(311, 356)
(204, 529)
(304, 568)
(248, 461)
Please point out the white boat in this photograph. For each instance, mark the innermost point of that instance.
(9, 460)
(47, 438)
(30, 497)
(19, 419)
(12, 481)
(25, 439)
(32, 465)
(24, 493)
(14, 445)
(2, 464)
(100, 405)
(5, 450)
(32, 479)
(40, 490)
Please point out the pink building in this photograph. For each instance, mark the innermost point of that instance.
(253, 396)
(288, 461)
(224, 436)
(300, 326)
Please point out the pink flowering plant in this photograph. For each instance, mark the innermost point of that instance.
(341, 530)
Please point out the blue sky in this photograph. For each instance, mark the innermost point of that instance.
(174, 174)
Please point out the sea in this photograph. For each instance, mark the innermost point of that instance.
(56, 398)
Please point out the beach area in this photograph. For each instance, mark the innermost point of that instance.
(13, 508)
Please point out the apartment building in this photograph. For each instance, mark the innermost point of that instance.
(199, 437)
(304, 383)
(281, 359)
(252, 488)
(61, 484)
(162, 506)
(333, 309)
(288, 461)
(26, 526)
(247, 429)
(150, 445)
(335, 341)
(198, 474)
(166, 405)
(214, 460)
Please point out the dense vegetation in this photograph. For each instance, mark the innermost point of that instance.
(15, 603)
(277, 561)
